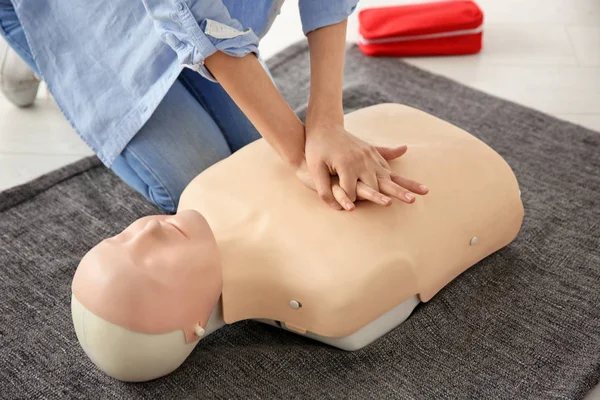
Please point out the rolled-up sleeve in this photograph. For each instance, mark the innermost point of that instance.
(195, 29)
(316, 14)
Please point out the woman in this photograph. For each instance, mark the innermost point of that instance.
(115, 68)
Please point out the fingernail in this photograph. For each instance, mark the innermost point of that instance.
(423, 188)
(409, 196)
(386, 199)
(349, 206)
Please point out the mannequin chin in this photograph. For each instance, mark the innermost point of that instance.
(249, 241)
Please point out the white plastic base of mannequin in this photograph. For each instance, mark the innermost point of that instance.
(367, 334)
(356, 341)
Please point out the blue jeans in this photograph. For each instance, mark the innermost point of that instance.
(196, 125)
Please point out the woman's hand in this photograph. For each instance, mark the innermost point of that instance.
(362, 170)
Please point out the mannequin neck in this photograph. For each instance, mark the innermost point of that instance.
(215, 321)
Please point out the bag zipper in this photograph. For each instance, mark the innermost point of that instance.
(464, 32)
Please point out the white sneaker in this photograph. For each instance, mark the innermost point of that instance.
(17, 81)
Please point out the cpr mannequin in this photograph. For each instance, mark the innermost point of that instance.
(249, 241)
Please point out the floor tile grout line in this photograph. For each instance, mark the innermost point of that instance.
(590, 114)
(19, 153)
(579, 62)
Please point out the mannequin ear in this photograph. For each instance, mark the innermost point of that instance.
(198, 330)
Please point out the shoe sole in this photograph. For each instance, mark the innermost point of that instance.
(21, 97)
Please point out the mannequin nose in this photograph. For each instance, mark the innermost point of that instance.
(152, 225)
(152, 228)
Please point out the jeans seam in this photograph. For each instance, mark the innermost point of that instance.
(170, 197)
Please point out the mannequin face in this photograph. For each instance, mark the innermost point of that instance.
(163, 269)
(157, 242)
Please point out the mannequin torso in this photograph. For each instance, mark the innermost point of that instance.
(280, 244)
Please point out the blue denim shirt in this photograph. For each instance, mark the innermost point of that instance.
(109, 63)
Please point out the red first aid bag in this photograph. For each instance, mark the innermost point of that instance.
(427, 29)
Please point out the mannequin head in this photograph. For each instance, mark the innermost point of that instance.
(151, 289)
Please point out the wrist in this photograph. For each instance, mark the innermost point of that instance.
(291, 150)
(293, 158)
(324, 117)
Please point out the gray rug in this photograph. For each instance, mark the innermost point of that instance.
(522, 324)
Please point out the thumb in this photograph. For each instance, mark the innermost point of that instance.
(391, 153)
(322, 179)
(304, 175)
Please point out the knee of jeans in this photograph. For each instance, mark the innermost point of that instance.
(161, 197)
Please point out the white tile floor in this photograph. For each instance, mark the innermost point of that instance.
(544, 54)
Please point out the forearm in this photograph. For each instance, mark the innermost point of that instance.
(251, 88)
(327, 49)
